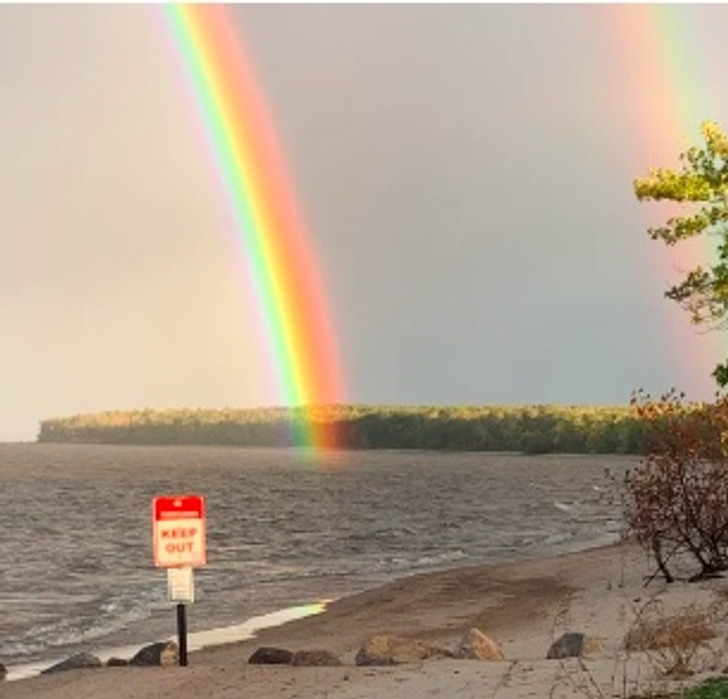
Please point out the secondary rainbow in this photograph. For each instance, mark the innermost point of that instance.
(662, 51)
(285, 282)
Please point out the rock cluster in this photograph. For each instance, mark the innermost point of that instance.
(384, 649)
(281, 656)
(380, 649)
(394, 650)
(160, 653)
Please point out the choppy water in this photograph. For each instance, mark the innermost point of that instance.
(283, 529)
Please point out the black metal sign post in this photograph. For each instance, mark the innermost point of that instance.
(182, 634)
(181, 590)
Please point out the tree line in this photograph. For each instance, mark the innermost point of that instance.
(536, 429)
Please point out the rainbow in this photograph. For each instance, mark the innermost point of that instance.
(662, 51)
(286, 287)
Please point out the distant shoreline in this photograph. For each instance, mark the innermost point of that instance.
(531, 429)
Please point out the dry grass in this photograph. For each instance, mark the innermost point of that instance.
(678, 644)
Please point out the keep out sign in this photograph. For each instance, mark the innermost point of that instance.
(179, 531)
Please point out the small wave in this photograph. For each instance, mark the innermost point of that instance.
(400, 562)
(558, 538)
(92, 620)
(445, 557)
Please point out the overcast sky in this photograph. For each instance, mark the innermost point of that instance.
(465, 173)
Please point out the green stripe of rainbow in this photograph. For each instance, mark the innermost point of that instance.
(289, 294)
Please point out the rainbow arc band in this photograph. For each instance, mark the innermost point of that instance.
(286, 288)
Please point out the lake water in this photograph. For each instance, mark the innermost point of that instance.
(284, 528)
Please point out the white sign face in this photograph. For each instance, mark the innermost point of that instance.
(179, 531)
(179, 542)
(180, 585)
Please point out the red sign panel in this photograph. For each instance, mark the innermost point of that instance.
(179, 531)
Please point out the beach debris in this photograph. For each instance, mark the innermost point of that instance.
(117, 662)
(3, 671)
(475, 645)
(75, 662)
(271, 656)
(161, 653)
(318, 658)
(383, 649)
(574, 645)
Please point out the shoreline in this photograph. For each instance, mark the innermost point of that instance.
(250, 628)
(196, 640)
(522, 605)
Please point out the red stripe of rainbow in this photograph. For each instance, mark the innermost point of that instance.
(273, 240)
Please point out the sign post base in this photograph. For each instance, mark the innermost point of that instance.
(181, 589)
(182, 634)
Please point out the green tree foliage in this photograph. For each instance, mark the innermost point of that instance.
(702, 183)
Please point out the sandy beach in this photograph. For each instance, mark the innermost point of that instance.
(522, 606)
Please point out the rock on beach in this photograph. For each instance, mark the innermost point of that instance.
(161, 653)
(75, 662)
(315, 658)
(271, 656)
(475, 645)
(383, 649)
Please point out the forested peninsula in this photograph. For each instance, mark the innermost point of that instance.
(536, 429)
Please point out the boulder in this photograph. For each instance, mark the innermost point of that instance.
(3, 671)
(117, 662)
(475, 645)
(160, 653)
(574, 645)
(271, 656)
(317, 658)
(393, 650)
(75, 662)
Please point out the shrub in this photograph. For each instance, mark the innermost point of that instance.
(676, 500)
